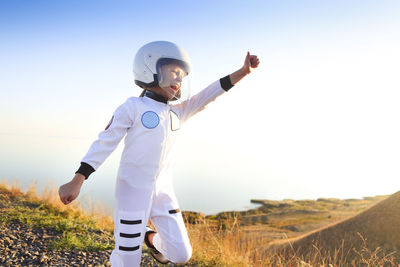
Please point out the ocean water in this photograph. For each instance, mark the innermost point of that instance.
(48, 162)
(210, 176)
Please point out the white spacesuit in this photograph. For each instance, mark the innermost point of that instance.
(144, 187)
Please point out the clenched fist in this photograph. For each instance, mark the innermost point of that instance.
(250, 62)
(70, 191)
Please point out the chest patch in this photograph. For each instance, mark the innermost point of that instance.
(150, 119)
(175, 123)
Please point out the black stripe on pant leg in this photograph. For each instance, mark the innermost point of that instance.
(129, 235)
(130, 222)
(174, 211)
(129, 248)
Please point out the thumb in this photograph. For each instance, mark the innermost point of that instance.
(248, 57)
(247, 60)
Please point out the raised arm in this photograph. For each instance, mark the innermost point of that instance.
(197, 102)
(250, 62)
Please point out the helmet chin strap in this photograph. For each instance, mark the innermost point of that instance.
(174, 97)
(159, 96)
(171, 97)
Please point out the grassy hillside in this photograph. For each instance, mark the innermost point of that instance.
(290, 218)
(40, 230)
(249, 238)
(369, 235)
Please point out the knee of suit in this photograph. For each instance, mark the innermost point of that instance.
(180, 252)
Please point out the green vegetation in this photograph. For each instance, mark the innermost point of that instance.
(290, 218)
(244, 238)
(81, 241)
(74, 228)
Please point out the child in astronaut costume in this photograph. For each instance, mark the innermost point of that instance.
(150, 122)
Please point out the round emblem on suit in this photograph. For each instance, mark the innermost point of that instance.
(150, 119)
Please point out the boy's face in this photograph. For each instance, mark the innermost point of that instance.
(171, 80)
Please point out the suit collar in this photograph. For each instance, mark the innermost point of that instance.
(156, 97)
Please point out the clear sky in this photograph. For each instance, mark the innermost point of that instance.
(318, 118)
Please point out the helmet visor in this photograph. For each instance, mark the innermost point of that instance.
(173, 79)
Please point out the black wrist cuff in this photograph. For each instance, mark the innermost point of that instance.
(85, 169)
(226, 83)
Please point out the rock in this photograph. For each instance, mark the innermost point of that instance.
(12, 236)
(21, 245)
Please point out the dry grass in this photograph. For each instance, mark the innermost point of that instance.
(49, 195)
(230, 245)
(213, 246)
(371, 236)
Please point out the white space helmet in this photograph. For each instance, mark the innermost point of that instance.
(151, 56)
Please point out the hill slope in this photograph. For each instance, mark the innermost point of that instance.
(36, 232)
(378, 226)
